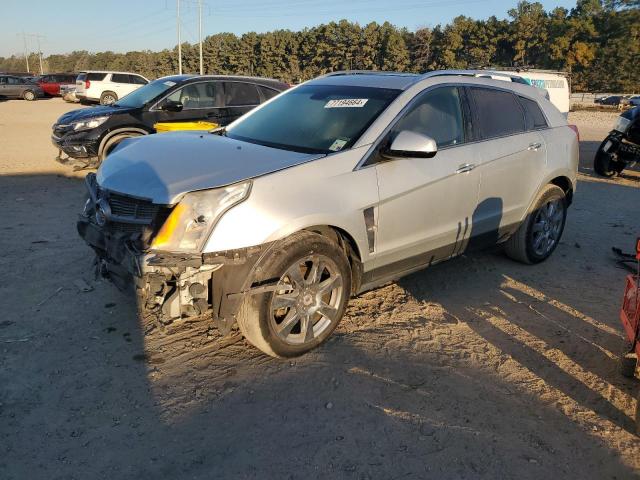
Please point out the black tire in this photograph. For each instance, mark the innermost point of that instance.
(522, 244)
(259, 318)
(627, 366)
(107, 98)
(29, 95)
(113, 142)
(604, 164)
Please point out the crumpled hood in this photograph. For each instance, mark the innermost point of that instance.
(90, 112)
(163, 167)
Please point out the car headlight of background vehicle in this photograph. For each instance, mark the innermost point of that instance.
(622, 124)
(89, 123)
(192, 220)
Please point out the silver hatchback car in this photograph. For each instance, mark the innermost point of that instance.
(332, 188)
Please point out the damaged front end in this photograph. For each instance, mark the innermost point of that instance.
(168, 285)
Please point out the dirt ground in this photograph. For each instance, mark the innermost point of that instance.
(476, 368)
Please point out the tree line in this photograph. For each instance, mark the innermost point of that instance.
(597, 42)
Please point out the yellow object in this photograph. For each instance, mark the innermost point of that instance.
(175, 126)
(164, 236)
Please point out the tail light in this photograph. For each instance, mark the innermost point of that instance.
(87, 84)
(575, 129)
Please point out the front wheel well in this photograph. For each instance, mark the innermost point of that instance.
(566, 185)
(350, 247)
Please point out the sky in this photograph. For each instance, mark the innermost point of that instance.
(123, 25)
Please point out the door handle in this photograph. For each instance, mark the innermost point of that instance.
(465, 167)
(534, 146)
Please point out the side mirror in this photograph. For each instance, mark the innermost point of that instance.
(172, 106)
(408, 144)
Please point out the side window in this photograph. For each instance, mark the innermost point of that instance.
(137, 80)
(195, 95)
(267, 92)
(533, 113)
(437, 114)
(498, 112)
(3, 80)
(96, 77)
(120, 78)
(238, 94)
(13, 81)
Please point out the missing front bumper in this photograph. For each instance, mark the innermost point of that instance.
(170, 286)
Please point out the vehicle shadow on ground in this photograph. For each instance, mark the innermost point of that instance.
(399, 390)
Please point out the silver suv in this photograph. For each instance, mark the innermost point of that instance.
(331, 188)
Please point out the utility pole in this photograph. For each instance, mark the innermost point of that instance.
(179, 40)
(200, 33)
(26, 54)
(38, 37)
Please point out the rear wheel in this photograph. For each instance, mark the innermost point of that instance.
(539, 234)
(107, 98)
(315, 277)
(29, 95)
(605, 163)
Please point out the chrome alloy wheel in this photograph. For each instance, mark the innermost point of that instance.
(547, 227)
(308, 303)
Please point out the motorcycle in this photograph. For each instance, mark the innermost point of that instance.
(621, 148)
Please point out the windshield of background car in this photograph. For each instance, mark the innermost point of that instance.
(145, 94)
(314, 118)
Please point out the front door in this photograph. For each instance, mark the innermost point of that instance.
(427, 205)
(200, 102)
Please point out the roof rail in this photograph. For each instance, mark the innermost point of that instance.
(364, 72)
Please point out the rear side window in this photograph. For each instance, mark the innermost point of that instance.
(497, 112)
(436, 114)
(120, 78)
(81, 77)
(95, 77)
(533, 113)
(267, 93)
(237, 94)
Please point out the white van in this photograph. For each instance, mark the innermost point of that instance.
(555, 83)
(107, 87)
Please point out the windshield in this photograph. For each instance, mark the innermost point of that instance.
(143, 95)
(314, 118)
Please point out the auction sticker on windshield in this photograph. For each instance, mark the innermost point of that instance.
(347, 103)
(338, 144)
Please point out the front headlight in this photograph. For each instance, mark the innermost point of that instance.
(193, 219)
(89, 124)
(622, 124)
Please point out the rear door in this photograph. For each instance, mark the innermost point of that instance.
(13, 87)
(239, 98)
(120, 84)
(513, 159)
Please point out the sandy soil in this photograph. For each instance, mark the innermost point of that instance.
(477, 368)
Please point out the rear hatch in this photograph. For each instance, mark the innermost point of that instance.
(82, 77)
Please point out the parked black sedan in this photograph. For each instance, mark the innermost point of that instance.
(19, 87)
(86, 136)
